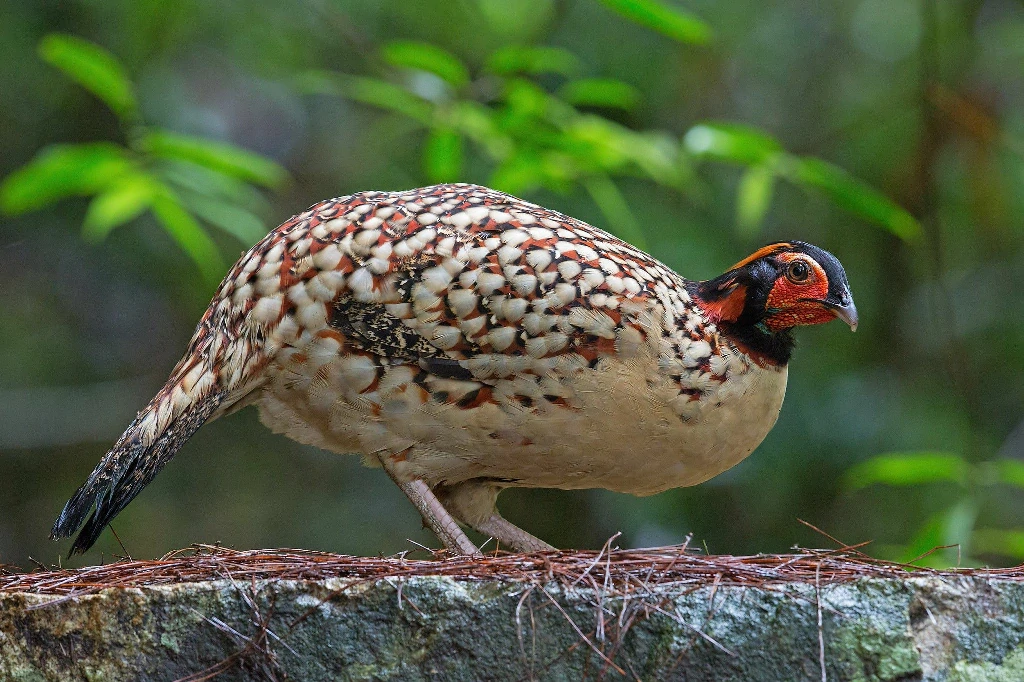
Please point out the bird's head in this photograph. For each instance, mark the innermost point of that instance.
(781, 286)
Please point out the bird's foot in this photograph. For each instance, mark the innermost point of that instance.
(507, 533)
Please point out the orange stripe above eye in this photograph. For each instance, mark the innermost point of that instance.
(762, 252)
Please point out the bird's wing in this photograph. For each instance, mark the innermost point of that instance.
(467, 283)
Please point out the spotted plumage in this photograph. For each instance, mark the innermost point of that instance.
(469, 341)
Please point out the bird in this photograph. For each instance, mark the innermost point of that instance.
(467, 341)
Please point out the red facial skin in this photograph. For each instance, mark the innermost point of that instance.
(790, 298)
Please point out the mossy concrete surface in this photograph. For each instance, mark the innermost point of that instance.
(963, 629)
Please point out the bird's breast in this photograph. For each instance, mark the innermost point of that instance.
(619, 424)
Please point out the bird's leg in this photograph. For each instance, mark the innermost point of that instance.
(435, 516)
(507, 533)
(472, 503)
(438, 519)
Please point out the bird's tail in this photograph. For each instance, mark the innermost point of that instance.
(189, 398)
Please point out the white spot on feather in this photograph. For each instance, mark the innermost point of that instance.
(445, 337)
(501, 338)
(312, 316)
(267, 309)
(569, 269)
(488, 282)
(357, 373)
(462, 302)
(539, 259)
(436, 279)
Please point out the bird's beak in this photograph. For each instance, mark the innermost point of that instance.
(846, 312)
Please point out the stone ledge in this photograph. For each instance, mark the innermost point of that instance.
(929, 626)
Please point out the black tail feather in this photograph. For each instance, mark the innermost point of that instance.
(125, 471)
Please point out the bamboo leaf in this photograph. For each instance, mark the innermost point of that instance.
(241, 224)
(62, 171)
(533, 60)
(731, 142)
(856, 196)
(749, 146)
(600, 92)
(908, 468)
(951, 526)
(189, 234)
(442, 156)
(123, 201)
(616, 211)
(519, 172)
(663, 18)
(217, 156)
(753, 197)
(658, 155)
(201, 180)
(477, 122)
(372, 91)
(1010, 471)
(427, 57)
(995, 541)
(94, 68)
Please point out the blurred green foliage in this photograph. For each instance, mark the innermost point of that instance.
(538, 138)
(533, 137)
(696, 132)
(179, 178)
(953, 528)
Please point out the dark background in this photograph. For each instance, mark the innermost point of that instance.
(920, 100)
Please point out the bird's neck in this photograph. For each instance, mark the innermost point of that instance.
(765, 347)
(737, 308)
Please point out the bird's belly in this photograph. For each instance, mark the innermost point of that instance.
(612, 428)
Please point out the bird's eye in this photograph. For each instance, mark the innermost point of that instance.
(798, 271)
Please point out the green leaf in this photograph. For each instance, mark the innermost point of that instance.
(124, 200)
(856, 196)
(189, 234)
(960, 520)
(600, 92)
(426, 57)
(730, 142)
(442, 156)
(753, 197)
(62, 171)
(212, 184)
(93, 68)
(749, 146)
(928, 537)
(616, 211)
(908, 468)
(236, 221)
(519, 173)
(372, 91)
(217, 156)
(1003, 542)
(525, 99)
(477, 122)
(663, 18)
(515, 59)
(952, 526)
(558, 172)
(513, 21)
(1009, 471)
(658, 155)
(599, 144)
